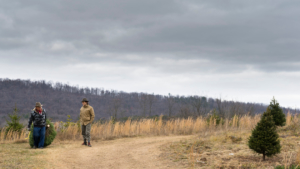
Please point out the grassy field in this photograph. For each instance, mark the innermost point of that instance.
(144, 127)
(230, 150)
(156, 127)
(20, 155)
(216, 143)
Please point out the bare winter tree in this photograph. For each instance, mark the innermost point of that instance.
(151, 100)
(236, 109)
(184, 110)
(221, 107)
(142, 99)
(115, 104)
(250, 109)
(184, 107)
(170, 102)
(196, 102)
(117, 101)
(204, 106)
(108, 103)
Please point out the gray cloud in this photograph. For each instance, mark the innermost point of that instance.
(182, 41)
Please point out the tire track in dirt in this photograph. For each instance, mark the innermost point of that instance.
(126, 153)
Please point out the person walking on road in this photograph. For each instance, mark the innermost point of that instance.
(87, 116)
(38, 117)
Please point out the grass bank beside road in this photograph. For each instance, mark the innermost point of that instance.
(20, 155)
(230, 150)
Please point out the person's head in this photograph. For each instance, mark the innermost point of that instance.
(38, 106)
(85, 102)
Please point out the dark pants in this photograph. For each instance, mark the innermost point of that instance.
(39, 136)
(86, 132)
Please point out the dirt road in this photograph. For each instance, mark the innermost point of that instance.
(140, 152)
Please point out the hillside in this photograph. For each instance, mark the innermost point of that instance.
(61, 100)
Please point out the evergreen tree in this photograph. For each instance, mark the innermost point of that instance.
(265, 139)
(277, 113)
(14, 124)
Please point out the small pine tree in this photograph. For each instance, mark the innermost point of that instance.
(69, 121)
(277, 113)
(14, 124)
(265, 139)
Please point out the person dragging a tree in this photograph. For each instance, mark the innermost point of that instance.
(38, 118)
(87, 116)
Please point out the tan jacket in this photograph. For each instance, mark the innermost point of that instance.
(87, 115)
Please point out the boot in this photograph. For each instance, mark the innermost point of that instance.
(89, 144)
(84, 143)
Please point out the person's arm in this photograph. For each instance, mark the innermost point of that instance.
(30, 120)
(92, 115)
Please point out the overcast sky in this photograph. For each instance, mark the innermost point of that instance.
(239, 50)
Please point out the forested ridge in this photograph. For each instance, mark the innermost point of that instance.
(61, 100)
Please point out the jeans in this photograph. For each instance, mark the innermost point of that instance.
(39, 136)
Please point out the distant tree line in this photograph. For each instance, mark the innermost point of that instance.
(61, 100)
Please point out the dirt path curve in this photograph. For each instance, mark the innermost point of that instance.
(127, 153)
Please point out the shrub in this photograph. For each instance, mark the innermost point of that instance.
(291, 167)
(69, 121)
(214, 116)
(13, 124)
(298, 157)
(265, 139)
(49, 136)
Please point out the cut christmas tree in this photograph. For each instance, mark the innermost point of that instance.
(49, 136)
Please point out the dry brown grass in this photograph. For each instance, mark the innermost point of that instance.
(211, 147)
(15, 151)
(216, 151)
(20, 156)
(153, 127)
(219, 149)
(12, 136)
(298, 157)
(156, 127)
